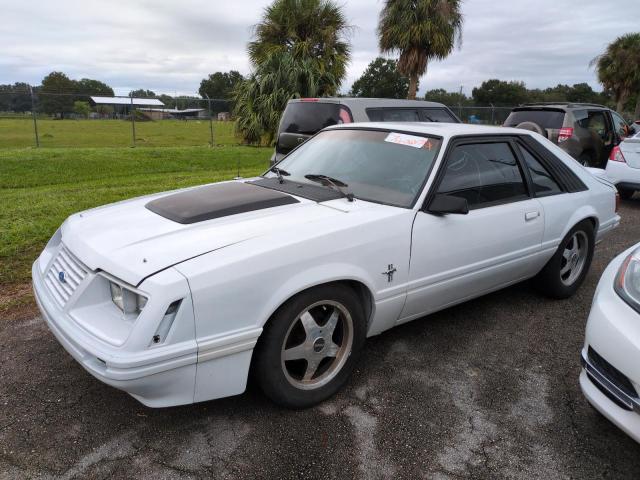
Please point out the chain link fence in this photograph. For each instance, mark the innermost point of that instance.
(42, 119)
(32, 118)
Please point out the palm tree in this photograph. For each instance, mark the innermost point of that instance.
(299, 50)
(308, 30)
(420, 30)
(618, 69)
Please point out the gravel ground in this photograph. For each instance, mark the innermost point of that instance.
(488, 389)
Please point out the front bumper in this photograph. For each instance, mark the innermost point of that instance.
(613, 331)
(160, 378)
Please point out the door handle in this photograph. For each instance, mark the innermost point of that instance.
(531, 215)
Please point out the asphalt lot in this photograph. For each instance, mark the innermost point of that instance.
(488, 389)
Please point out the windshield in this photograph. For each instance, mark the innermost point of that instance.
(378, 166)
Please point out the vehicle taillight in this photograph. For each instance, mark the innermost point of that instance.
(345, 115)
(565, 134)
(617, 201)
(616, 155)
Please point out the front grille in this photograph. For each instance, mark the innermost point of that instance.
(73, 272)
(612, 374)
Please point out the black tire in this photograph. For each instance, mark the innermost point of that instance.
(276, 376)
(625, 193)
(550, 281)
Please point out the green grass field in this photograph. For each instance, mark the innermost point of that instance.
(18, 132)
(39, 188)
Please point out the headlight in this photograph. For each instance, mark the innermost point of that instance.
(127, 301)
(627, 283)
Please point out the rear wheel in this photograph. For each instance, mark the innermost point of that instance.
(310, 346)
(565, 271)
(625, 193)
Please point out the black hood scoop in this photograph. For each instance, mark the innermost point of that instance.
(217, 200)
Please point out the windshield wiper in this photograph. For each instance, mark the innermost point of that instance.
(331, 182)
(279, 173)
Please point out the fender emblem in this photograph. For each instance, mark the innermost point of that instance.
(62, 277)
(389, 273)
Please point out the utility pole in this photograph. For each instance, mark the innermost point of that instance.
(33, 113)
(133, 122)
(210, 119)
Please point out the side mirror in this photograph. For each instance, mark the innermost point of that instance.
(443, 204)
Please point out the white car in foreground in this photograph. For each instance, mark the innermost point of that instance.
(610, 377)
(623, 166)
(175, 297)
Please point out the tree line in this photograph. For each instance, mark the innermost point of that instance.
(58, 94)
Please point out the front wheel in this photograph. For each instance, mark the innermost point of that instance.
(565, 271)
(310, 346)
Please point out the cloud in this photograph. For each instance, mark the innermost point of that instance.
(170, 46)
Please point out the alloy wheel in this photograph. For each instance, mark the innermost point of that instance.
(317, 345)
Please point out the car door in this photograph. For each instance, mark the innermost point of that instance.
(558, 204)
(455, 257)
(620, 127)
(599, 124)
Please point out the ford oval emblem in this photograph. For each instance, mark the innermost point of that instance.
(62, 277)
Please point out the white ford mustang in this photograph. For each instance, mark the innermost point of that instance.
(175, 297)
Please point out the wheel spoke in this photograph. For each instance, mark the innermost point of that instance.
(332, 350)
(331, 323)
(312, 366)
(308, 322)
(295, 353)
(565, 269)
(566, 254)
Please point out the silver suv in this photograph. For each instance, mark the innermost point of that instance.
(304, 117)
(586, 131)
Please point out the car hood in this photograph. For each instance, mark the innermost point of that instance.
(131, 242)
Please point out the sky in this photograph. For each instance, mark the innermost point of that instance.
(169, 46)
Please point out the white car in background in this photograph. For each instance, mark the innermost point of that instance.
(610, 377)
(623, 166)
(175, 297)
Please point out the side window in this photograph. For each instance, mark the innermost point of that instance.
(484, 174)
(543, 182)
(436, 115)
(582, 118)
(393, 115)
(620, 125)
(597, 123)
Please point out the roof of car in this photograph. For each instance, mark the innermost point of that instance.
(434, 128)
(562, 105)
(370, 102)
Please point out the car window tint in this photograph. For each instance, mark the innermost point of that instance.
(543, 182)
(310, 117)
(393, 115)
(546, 118)
(436, 115)
(484, 174)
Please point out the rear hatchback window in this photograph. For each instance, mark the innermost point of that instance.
(311, 117)
(545, 118)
